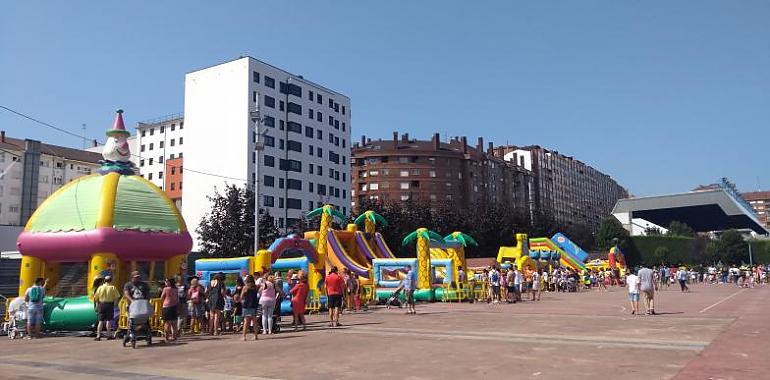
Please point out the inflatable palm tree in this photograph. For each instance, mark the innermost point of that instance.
(458, 254)
(423, 236)
(370, 220)
(327, 212)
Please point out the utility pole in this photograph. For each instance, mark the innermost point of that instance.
(85, 139)
(751, 259)
(259, 146)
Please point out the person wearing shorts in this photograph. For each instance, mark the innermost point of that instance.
(105, 297)
(335, 286)
(632, 282)
(408, 285)
(647, 285)
(195, 298)
(34, 298)
(170, 302)
(249, 302)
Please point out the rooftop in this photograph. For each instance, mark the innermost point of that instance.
(756, 195)
(14, 144)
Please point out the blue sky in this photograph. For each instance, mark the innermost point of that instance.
(661, 95)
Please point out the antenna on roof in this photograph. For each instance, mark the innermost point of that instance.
(85, 139)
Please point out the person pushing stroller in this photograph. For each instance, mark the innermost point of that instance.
(140, 310)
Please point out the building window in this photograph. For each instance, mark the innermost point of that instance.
(404, 173)
(309, 132)
(319, 99)
(280, 205)
(269, 181)
(343, 126)
(269, 82)
(269, 141)
(320, 170)
(310, 205)
(404, 186)
(149, 176)
(294, 127)
(336, 124)
(319, 134)
(319, 116)
(432, 173)
(269, 100)
(255, 78)
(269, 121)
(310, 187)
(294, 184)
(310, 113)
(280, 183)
(150, 163)
(319, 152)
(162, 129)
(152, 131)
(404, 197)
(173, 170)
(254, 96)
(334, 157)
(331, 120)
(293, 203)
(269, 160)
(291, 89)
(281, 105)
(141, 163)
(173, 186)
(321, 189)
(331, 103)
(310, 95)
(294, 108)
(152, 145)
(144, 132)
(160, 159)
(310, 168)
(173, 142)
(310, 150)
(268, 201)
(291, 165)
(295, 146)
(160, 175)
(374, 186)
(343, 112)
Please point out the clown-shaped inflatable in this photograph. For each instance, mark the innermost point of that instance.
(115, 221)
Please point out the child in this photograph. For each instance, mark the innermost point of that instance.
(228, 311)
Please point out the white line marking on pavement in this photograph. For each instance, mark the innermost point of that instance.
(722, 300)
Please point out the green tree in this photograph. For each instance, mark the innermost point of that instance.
(729, 248)
(677, 228)
(228, 228)
(661, 256)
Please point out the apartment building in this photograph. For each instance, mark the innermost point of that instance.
(760, 202)
(571, 191)
(304, 128)
(32, 170)
(403, 169)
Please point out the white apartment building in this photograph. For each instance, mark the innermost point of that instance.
(158, 140)
(31, 171)
(305, 162)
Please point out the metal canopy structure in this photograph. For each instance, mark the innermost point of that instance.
(704, 211)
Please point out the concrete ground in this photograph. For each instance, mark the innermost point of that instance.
(713, 332)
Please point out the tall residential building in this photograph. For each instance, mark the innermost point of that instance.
(405, 169)
(760, 202)
(571, 191)
(305, 161)
(31, 171)
(159, 142)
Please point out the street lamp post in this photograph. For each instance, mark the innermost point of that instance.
(259, 146)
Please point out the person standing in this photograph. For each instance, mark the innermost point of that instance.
(518, 283)
(632, 282)
(105, 297)
(409, 290)
(267, 301)
(216, 301)
(648, 286)
(298, 301)
(34, 299)
(536, 285)
(195, 296)
(169, 297)
(494, 285)
(335, 286)
(681, 275)
(249, 301)
(182, 308)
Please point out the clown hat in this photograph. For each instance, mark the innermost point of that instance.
(118, 128)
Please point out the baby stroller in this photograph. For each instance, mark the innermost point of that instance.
(393, 300)
(17, 323)
(139, 313)
(572, 285)
(276, 317)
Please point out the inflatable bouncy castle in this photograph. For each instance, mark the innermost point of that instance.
(115, 221)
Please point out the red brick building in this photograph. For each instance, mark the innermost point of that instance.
(404, 169)
(173, 180)
(760, 201)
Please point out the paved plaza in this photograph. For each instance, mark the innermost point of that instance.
(717, 332)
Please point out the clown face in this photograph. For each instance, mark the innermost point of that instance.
(116, 149)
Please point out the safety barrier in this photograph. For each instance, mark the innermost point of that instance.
(459, 292)
(156, 321)
(314, 301)
(368, 294)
